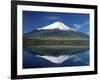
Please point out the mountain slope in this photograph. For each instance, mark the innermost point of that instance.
(55, 33)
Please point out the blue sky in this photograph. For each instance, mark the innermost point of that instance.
(33, 20)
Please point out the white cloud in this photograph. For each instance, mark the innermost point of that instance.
(78, 26)
(52, 18)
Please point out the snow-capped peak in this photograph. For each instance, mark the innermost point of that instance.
(56, 25)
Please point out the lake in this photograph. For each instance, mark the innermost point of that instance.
(30, 60)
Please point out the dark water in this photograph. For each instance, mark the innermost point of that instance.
(32, 61)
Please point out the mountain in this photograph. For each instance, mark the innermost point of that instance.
(55, 42)
(56, 29)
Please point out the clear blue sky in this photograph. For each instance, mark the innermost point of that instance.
(33, 20)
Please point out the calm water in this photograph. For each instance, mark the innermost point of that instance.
(32, 61)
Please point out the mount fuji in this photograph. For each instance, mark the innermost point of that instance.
(55, 42)
(56, 29)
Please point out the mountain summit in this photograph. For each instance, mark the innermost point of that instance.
(56, 25)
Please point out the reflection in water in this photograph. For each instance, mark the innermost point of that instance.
(77, 57)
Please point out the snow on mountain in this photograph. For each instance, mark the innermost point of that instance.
(56, 25)
(57, 60)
